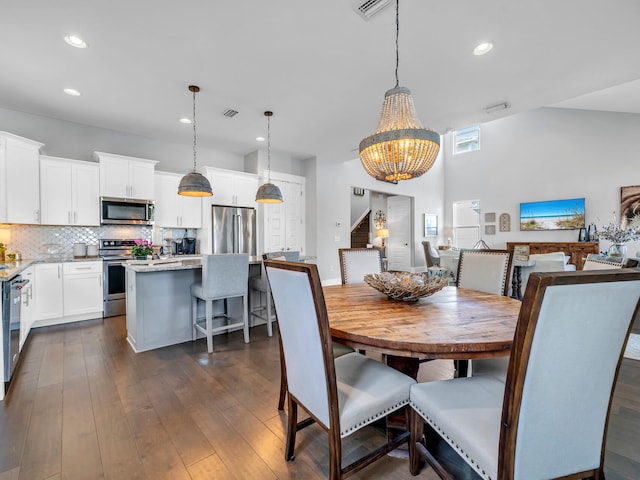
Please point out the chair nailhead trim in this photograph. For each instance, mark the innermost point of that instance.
(455, 446)
(373, 418)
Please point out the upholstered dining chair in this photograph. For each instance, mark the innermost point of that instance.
(487, 271)
(596, 262)
(549, 419)
(355, 263)
(260, 285)
(341, 395)
(431, 256)
(224, 276)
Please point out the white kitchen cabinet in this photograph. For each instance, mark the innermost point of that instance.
(19, 179)
(67, 292)
(173, 210)
(82, 287)
(232, 188)
(47, 291)
(126, 177)
(284, 222)
(69, 192)
(26, 309)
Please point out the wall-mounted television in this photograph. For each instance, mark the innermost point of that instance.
(552, 215)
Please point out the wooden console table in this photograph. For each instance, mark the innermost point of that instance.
(577, 250)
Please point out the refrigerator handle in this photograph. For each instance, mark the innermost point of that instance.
(236, 233)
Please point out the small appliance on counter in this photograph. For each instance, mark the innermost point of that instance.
(189, 245)
(92, 250)
(178, 248)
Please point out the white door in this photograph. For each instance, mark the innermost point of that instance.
(400, 242)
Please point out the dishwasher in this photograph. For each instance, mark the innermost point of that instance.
(11, 299)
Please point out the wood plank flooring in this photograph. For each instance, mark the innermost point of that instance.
(84, 406)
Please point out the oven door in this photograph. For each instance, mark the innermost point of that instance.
(114, 288)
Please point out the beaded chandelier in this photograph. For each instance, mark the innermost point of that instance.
(400, 148)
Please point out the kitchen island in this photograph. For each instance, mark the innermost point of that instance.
(159, 301)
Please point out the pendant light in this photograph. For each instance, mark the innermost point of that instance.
(268, 192)
(400, 148)
(194, 184)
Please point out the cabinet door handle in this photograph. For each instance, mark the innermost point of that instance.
(68, 217)
(58, 271)
(75, 217)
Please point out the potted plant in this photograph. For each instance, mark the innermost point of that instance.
(141, 249)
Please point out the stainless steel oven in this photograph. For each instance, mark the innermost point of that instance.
(114, 253)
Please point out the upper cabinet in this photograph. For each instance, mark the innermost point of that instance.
(232, 188)
(69, 192)
(126, 177)
(173, 210)
(19, 179)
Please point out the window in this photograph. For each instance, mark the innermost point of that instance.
(466, 140)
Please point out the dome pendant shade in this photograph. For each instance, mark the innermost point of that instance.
(194, 184)
(400, 148)
(268, 193)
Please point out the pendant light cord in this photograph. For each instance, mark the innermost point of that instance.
(397, 35)
(194, 129)
(268, 115)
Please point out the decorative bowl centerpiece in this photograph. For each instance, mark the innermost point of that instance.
(404, 286)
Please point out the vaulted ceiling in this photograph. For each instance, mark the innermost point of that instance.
(319, 66)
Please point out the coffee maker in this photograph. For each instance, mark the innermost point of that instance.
(179, 246)
(189, 245)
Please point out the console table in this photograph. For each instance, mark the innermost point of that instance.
(578, 251)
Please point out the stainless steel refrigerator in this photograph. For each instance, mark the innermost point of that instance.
(234, 229)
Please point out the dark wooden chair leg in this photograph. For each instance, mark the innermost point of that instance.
(283, 377)
(292, 429)
(416, 428)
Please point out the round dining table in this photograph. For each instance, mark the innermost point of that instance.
(454, 323)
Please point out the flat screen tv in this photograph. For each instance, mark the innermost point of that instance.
(552, 215)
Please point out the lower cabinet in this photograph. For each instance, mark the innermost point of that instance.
(67, 292)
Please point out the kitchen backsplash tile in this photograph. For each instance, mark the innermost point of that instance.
(32, 240)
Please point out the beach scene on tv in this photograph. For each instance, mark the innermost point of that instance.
(552, 215)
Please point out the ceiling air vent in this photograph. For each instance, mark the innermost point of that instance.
(230, 112)
(368, 8)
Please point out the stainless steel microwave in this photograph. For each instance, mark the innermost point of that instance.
(126, 211)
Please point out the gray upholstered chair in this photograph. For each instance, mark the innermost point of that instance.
(355, 263)
(224, 276)
(549, 420)
(260, 285)
(431, 256)
(546, 262)
(486, 271)
(341, 395)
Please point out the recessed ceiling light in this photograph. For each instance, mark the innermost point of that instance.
(185, 120)
(75, 41)
(483, 48)
(260, 139)
(72, 91)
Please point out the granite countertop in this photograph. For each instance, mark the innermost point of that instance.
(164, 264)
(8, 270)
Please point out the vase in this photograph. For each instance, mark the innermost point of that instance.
(618, 250)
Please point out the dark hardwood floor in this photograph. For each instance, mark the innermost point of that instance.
(84, 406)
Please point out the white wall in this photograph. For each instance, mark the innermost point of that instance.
(73, 140)
(334, 181)
(547, 154)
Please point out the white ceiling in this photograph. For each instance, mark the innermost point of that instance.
(319, 66)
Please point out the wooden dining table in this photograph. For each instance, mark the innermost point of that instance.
(454, 323)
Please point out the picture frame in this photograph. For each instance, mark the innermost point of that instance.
(490, 217)
(489, 229)
(629, 204)
(430, 225)
(521, 252)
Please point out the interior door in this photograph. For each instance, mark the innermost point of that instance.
(399, 243)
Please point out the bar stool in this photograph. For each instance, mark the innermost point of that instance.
(260, 284)
(223, 276)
